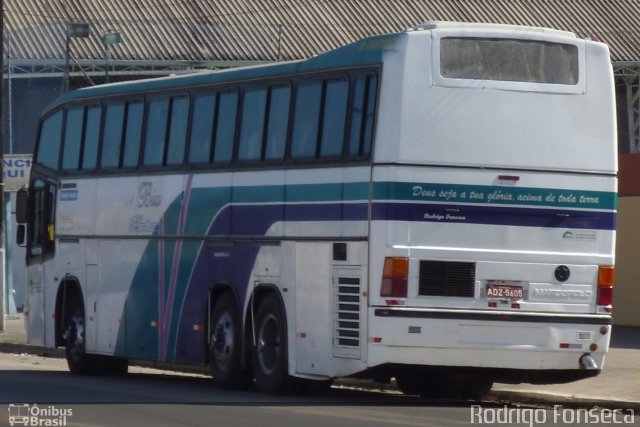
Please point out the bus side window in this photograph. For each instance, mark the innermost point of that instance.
(91, 137)
(252, 125)
(225, 127)
(204, 109)
(178, 130)
(362, 116)
(357, 109)
(304, 138)
(72, 139)
(276, 142)
(334, 118)
(133, 134)
(50, 139)
(156, 132)
(112, 136)
(372, 96)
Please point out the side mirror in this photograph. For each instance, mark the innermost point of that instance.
(21, 234)
(22, 206)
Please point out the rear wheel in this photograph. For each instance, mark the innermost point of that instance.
(225, 344)
(270, 361)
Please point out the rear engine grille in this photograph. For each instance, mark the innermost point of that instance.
(447, 279)
(347, 315)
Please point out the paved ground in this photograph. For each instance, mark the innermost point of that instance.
(617, 386)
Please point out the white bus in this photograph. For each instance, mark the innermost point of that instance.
(435, 206)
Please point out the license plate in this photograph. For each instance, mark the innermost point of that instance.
(503, 291)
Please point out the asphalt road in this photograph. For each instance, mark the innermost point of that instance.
(147, 397)
(40, 391)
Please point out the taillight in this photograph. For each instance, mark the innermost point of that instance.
(606, 279)
(395, 277)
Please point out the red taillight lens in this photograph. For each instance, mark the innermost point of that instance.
(394, 277)
(606, 279)
(605, 295)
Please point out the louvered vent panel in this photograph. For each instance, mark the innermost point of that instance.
(447, 279)
(347, 317)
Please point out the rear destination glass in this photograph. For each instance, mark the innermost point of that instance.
(527, 61)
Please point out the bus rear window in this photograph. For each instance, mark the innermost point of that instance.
(508, 60)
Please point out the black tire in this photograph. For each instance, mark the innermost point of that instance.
(270, 359)
(79, 362)
(225, 344)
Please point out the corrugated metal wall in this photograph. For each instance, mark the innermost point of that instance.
(201, 30)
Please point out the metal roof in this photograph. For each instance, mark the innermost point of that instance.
(253, 30)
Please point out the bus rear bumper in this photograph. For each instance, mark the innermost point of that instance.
(574, 345)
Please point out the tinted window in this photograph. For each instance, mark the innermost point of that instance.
(357, 113)
(178, 130)
(133, 134)
(49, 144)
(112, 138)
(91, 137)
(204, 108)
(305, 121)
(72, 139)
(226, 127)
(252, 125)
(509, 60)
(372, 95)
(278, 122)
(335, 115)
(156, 132)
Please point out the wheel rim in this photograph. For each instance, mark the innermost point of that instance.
(268, 344)
(222, 341)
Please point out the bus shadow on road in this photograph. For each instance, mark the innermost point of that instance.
(60, 387)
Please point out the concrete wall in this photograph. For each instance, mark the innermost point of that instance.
(626, 294)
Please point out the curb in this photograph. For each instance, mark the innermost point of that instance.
(496, 396)
(564, 400)
(31, 349)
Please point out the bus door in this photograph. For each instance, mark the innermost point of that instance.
(40, 241)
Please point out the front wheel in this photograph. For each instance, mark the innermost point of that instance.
(79, 362)
(270, 361)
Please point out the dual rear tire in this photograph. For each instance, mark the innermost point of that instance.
(268, 354)
(266, 348)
